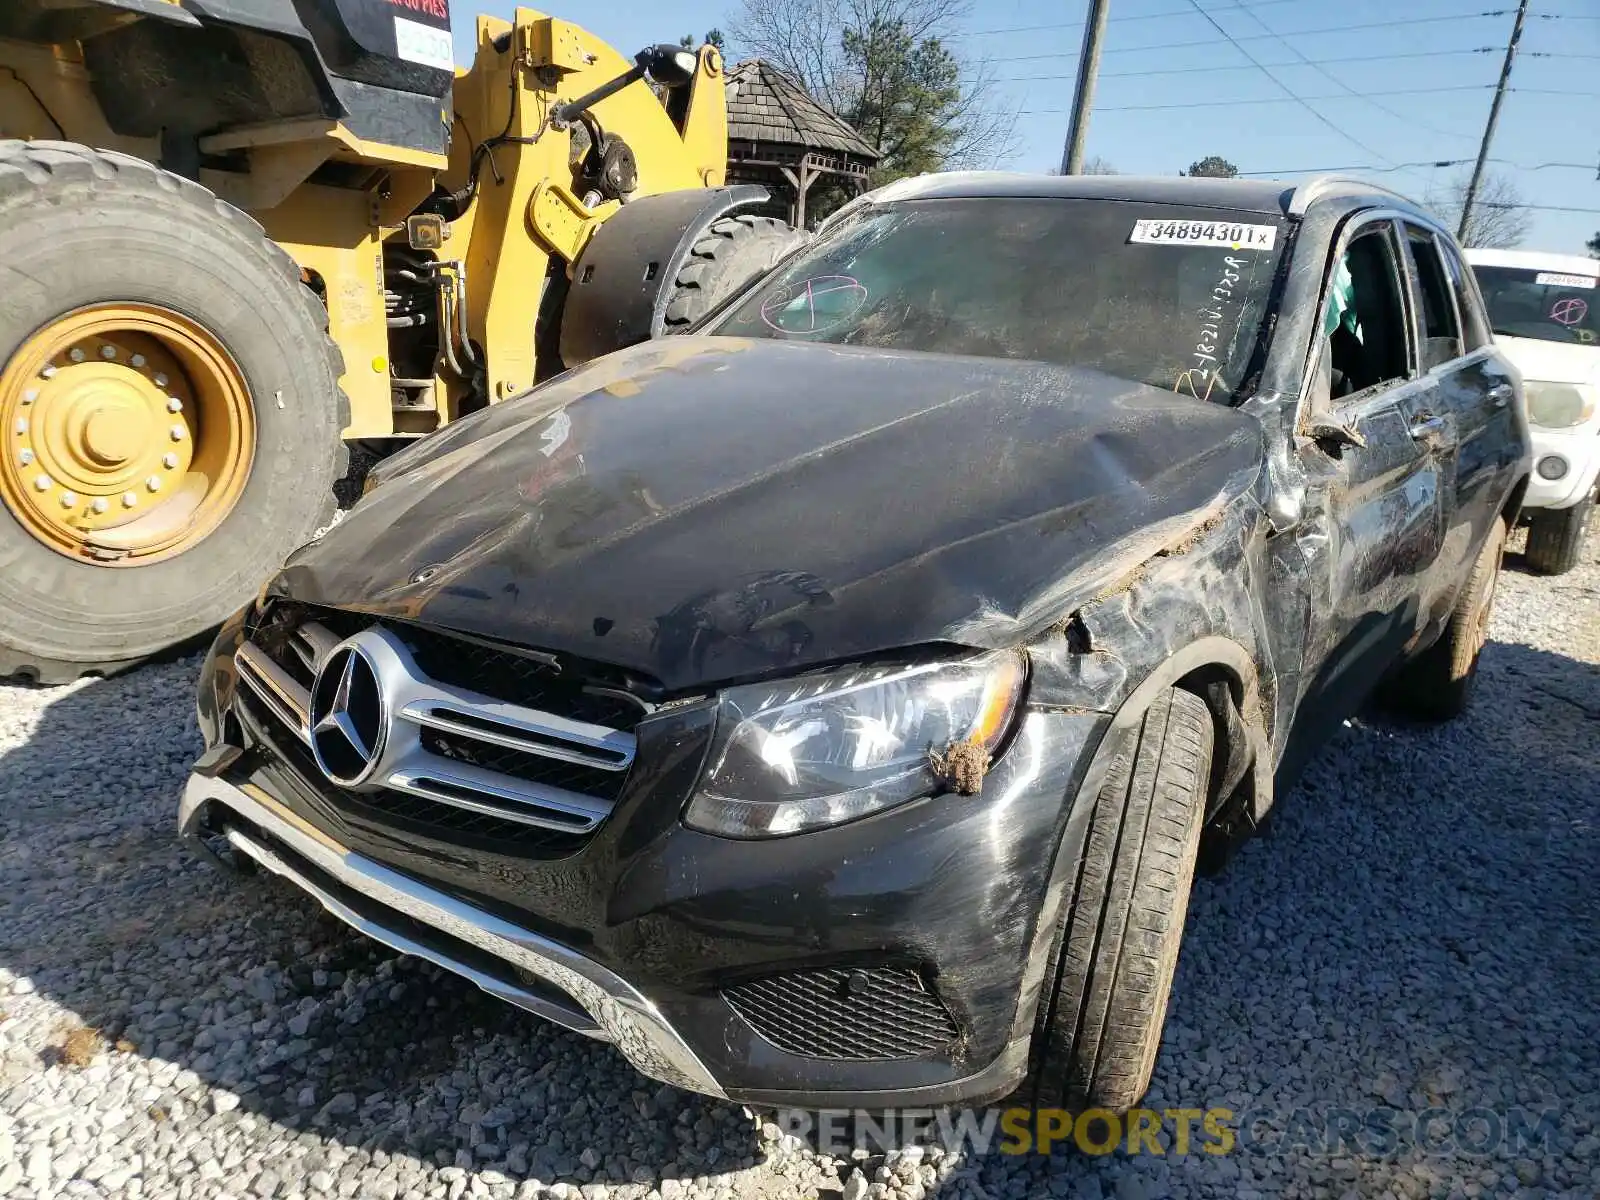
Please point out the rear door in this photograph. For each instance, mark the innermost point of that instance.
(1475, 392)
(1376, 522)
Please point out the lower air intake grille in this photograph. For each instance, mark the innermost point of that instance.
(853, 1013)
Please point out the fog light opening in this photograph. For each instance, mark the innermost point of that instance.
(1552, 467)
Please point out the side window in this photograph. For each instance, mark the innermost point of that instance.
(1474, 323)
(1368, 339)
(1441, 330)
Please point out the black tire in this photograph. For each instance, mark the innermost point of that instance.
(1436, 685)
(1555, 537)
(81, 227)
(734, 251)
(1100, 1023)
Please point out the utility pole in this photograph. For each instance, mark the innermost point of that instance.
(1494, 119)
(1094, 32)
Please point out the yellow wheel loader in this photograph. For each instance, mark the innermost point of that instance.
(179, 380)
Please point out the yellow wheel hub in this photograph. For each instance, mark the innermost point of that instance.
(129, 434)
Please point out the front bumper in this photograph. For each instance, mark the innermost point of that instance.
(636, 937)
(1580, 448)
(414, 918)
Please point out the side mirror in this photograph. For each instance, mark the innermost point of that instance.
(670, 66)
(1320, 425)
(1333, 434)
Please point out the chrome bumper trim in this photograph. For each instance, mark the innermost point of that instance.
(615, 1010)
(277, 689)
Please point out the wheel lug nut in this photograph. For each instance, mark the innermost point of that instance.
(169, 460)
(75, 354)
(29, 396)
(137, 360)
(108, 351)
(68, 499)
(153, 483)
(160, 380)
(22, 425)
(49, 371)
(129, 499)
(174, 405)
(177, 433)
(43, 483)
(99, 505)
(26, 457)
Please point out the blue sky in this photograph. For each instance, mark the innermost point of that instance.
(1216, 102)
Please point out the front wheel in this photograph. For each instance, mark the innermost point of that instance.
(1100, 1025)
(1555, 537)
(169, 400)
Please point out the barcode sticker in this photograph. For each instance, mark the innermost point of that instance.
(419, 43)
(1556, 279)
(1230, 234)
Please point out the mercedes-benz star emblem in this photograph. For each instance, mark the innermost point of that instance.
(347, 720)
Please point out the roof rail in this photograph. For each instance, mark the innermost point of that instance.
(1324, 186)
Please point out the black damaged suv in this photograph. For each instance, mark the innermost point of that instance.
(831, 709)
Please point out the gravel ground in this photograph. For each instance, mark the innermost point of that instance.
(1418, 932)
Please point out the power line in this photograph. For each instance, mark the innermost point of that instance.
(1441, 162)
(1283, 87)
(1344, 87)
(1261, 37)
(1177, 12)
(1538, 207)
(1290, 99)
(1212, 70)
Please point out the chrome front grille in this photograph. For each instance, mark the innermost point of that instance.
(450, 744)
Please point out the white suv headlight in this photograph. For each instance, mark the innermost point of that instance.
(1557, 405)
(805, 753)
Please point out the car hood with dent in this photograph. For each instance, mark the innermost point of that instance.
(708, 509)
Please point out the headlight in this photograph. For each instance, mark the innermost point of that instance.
(804, 753)
(1557, 405)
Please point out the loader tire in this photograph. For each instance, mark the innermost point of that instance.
(1099, 1025)
(111, 265)
(734, 251)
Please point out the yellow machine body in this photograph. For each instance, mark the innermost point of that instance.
(497, 254)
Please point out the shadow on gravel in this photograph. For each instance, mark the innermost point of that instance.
(249, 987)
(1418, 932)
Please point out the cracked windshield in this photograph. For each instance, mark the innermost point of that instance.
(1169, 296)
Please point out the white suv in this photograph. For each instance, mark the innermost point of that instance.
(1545, 309)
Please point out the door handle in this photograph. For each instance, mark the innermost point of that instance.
(1428, 428)
(1500, 394)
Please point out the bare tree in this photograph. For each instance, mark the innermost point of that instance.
(1096, 165)
(1500, 216)
(887, 67)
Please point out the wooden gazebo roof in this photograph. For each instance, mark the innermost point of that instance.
(779, 134)
(765, 105)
